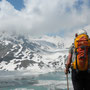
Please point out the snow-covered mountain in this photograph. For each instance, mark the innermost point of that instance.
(18, 52)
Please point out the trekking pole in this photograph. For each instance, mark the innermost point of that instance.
(67, 77)
(67, 82)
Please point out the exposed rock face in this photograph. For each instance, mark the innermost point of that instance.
(18, 53)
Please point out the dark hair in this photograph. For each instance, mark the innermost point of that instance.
(76, 35)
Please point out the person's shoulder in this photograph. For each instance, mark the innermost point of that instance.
(71, 48)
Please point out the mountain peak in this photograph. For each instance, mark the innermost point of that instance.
(19, 52)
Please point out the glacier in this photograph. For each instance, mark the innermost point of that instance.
(18, 52)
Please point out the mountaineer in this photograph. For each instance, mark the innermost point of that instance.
(79, 61)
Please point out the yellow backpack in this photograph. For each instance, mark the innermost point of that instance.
(82, 44)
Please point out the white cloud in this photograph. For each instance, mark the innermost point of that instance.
(43, 16)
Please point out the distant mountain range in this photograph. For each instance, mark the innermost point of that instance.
(19, 52)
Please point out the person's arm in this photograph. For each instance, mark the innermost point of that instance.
(68, 63)
(69, 60)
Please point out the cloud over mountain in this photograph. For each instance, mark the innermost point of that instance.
(40, 17)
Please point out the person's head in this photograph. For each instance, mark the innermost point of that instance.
(80, 32)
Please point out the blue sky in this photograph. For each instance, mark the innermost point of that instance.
(18, 4)
(40, 17)
(78, 5)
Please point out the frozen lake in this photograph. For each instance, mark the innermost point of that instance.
(26, 80)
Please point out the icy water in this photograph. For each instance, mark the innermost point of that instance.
(32, 81)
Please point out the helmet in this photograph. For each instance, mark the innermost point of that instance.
(81, 32)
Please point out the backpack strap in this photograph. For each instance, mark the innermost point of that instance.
(77, 70)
